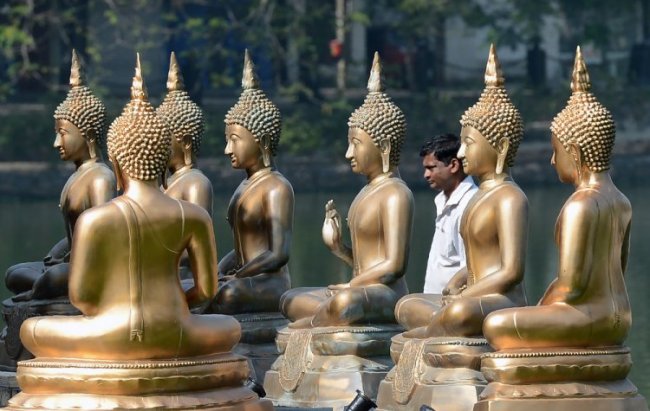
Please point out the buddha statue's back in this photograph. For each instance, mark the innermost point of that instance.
(137, 346)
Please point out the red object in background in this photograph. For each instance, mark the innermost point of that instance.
(336, 49)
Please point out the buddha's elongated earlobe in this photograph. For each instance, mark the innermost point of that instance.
(502, 154)
(265, 146)
(384, 147)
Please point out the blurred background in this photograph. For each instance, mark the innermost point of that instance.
(313, 59)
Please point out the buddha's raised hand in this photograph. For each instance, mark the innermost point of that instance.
(332, 227)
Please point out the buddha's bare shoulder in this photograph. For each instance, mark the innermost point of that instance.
(580, 205)
(103, 216)
(277, 181)
(194, 213)
(396, 187)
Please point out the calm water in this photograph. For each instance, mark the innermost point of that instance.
(30, 227)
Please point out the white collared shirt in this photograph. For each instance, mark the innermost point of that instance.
(447, 254)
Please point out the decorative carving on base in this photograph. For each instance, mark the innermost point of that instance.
(440, 372)
(323, 367)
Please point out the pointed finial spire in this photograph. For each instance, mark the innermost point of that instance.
(375, 81)
(580, 78)
(493, 73)
(138, 88)
(77, 77)
(174, 77)
(249, 79)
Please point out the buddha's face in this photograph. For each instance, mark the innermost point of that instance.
(364, 155)
(69, 141)
(476, 153)
(563, 161)
(242, 147)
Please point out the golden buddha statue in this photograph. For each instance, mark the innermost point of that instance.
(339, 339)
(494, 225)
(80, 125)
(185, 120)
(132, 349)
(566, 352)
(380, 221)
(440, 357)
(255, 274)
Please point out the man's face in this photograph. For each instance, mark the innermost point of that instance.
(242, 148)
(69, 141)
(439, 175)
(364, 156)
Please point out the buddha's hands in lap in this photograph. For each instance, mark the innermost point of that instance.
(450, 298)
(332, 289)
(332, 227)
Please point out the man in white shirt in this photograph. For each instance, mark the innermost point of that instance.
(444, 172)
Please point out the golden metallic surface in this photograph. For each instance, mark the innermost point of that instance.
(587, 304)
(255, 274)
(136, 336)
(494, 225)
(80, 126)
(185, 121)
(380, 221)
(566, 352)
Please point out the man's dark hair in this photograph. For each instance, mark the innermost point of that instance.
(444, 147)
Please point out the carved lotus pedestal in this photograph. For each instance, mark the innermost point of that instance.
(258, 332)
(323, 367)
(442, 373)
(207, 383)
(560, 380)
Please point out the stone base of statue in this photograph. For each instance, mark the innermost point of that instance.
(207, 383)
(323, 367)
(442, 373)
(258, 340)
(559, 379)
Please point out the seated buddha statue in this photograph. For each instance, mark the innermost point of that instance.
(80, 124)
(587, 304)
(254, 275)
(137, 346)
(494, 225)
(124, 316)
(185, 120)
(567, 352)
(380, 221)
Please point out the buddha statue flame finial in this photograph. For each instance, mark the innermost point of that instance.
(77, 77)
(580, 77)
(493, 73)
(375, 81)
(183, 116)
(254, 110)
(249, 78)
(174, 77)
(138, 88)
(494, 115)
(585, 122)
